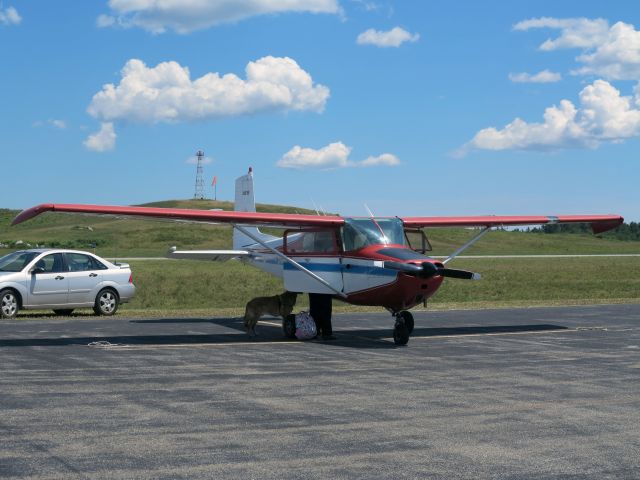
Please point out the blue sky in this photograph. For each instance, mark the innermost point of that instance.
(409, 107)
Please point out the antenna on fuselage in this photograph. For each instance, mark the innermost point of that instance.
(369, 210)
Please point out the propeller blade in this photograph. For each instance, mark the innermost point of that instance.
(454, 273)
(428, 270)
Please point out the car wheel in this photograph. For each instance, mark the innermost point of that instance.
(9, 304)
(63, 311)
(106, 302)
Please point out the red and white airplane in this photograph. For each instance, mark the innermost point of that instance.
(375, 261)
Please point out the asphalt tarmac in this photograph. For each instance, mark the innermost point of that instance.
(521, 393)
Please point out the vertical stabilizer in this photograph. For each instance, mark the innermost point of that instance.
(245, 202)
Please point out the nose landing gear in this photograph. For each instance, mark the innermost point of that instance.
(403, 327)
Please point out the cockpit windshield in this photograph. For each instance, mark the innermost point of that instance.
(360, 232)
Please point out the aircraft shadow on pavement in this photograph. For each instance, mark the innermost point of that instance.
(357, 338)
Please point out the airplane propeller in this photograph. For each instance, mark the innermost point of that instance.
(428, 270)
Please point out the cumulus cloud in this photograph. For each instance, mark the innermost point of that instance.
(612, 52)
(392, 38)
(334, 155)
(603, 115)
(187, 16)
(545, 76)
(166, 93)
(575, 32)
(102, 140)
(9, 16)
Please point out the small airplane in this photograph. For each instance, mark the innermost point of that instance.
(373, 261)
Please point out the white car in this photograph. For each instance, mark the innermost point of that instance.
(62, 280)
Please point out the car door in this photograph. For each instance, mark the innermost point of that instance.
(85, 273)
(48, 282)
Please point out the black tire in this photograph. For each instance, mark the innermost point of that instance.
(400, 334)
(63, 311)
(107, 302)
(408, 320)
(289, 326)
(9, 303)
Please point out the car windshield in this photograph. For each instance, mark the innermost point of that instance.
(16, 261)
(360, 232)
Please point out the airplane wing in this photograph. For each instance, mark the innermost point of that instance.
(599, 223)
(188, 215)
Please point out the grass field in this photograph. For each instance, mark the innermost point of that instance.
(207, 288)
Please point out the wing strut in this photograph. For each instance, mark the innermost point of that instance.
(290, 260)
(467, 245)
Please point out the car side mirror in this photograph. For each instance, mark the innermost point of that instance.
(36, 270)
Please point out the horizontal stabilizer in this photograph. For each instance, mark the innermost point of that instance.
(213, 255)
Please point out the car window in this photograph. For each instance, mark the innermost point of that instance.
(51, 263)
(16, 261)
(79, 262)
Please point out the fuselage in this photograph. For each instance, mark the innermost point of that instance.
(351, 259)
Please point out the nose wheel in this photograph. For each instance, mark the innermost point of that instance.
(403, 327)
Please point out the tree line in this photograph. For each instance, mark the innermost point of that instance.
(626, 231)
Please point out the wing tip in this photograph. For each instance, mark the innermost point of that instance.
(29, 213)
(605, 226)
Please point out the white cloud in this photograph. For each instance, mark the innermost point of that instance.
(575, 32)
(617, 58)
(612, 52)
(384, 159)
(545, 76)
(392, 38)
(182, 16)
(9, 16)
(334, 155)
(104, 21)
(166, 93)
(102, 140)
(604, 115)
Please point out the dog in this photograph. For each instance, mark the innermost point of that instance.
(281, 305)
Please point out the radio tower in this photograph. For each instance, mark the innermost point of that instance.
(199, 193)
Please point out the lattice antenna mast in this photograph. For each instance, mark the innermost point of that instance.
(199, 193)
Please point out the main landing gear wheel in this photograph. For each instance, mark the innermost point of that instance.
(289, 326)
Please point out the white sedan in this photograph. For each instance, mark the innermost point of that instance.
(62, 280)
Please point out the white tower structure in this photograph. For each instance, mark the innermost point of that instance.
(199, 193)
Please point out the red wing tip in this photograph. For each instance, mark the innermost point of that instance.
(29, 213)
(601, 227)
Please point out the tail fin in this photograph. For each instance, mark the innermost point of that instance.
(245, 202)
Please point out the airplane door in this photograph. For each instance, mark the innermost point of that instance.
(51, 286)
(317, 251)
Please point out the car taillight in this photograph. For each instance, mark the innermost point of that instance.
(131, 278)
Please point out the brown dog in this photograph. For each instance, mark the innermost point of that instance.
(281, 305)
